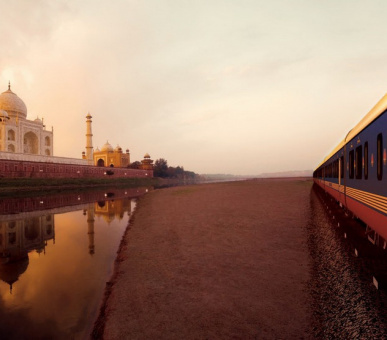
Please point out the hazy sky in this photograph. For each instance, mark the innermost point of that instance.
(240, 87)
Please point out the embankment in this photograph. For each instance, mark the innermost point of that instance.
(20, 187)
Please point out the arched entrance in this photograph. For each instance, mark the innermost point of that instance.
(31, 143)
(31, 229)
(100, 162)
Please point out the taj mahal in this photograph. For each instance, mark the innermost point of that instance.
(17, 133)
(28, 141)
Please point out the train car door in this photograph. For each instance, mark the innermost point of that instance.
(341, 181)
(344, 170)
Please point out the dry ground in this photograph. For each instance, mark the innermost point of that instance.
(214, 261)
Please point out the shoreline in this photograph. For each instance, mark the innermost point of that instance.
(144, 231)
(22, 187)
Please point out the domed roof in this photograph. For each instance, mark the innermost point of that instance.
(4, 114)
(38, 120)
(11, 103)
(107, 147)
(146, 155)
(118, 148)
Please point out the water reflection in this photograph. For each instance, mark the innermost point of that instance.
(56, 254)
(18, 237)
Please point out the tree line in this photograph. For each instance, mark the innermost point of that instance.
(162, 169)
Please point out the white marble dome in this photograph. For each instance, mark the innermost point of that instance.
(11, 103)
(4, 114)
(107, 147)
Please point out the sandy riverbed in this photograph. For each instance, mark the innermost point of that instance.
(223, 260)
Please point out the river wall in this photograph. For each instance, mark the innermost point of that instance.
(56, 167)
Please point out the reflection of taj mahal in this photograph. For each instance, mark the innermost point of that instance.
(31, 231)
(17, 238)
(17, 133)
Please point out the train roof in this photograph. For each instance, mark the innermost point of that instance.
(375, 112)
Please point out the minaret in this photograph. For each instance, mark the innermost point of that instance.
(89, 141)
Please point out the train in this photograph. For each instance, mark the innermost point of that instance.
(355, 172)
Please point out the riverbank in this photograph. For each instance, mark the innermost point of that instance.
(221, 260)
(20, 187)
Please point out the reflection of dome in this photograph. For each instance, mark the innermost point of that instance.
(109, 218)
(107, 147)
(10, 272)
(11, 103)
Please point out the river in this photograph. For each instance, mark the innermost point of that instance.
(57, 253)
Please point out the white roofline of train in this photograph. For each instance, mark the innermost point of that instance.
(375, 112)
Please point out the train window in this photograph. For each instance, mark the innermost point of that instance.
(366, 160)
(358, 162)
(342, 167)
(379, 156)
(336, 168)
(351, 164)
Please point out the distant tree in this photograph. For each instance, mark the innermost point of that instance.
(190, 174)
(160, 168)
(171, 172)
(135, 165)
(179, 171)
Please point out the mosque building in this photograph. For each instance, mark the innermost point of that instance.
(28, 141)
(19, 134)
(108, 156)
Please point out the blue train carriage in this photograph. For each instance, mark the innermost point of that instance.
(355, 172)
